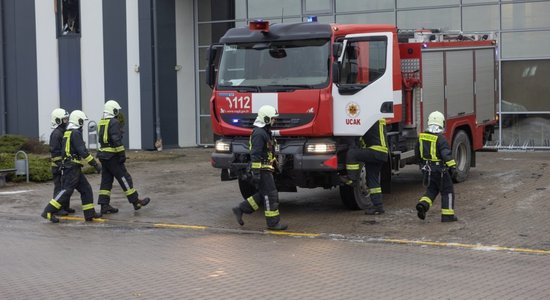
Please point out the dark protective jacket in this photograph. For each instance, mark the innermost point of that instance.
(56, 145)
(375, 139)
(74, 149)
(262, 149)
(434, 149)
(110, 139)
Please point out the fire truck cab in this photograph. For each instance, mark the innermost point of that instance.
(332, 82)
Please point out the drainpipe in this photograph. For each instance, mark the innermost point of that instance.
(158, 142)
(3, 115)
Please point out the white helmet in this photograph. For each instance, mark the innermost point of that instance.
(112, 107)
(59, 116)
(77, 118)
(266, 115)
(436, 122)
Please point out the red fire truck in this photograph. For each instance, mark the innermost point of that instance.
(330, 82)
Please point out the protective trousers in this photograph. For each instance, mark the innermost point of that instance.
(440, 182)
(267, 196)
(373, 166)
(113, 168)
(72, 179)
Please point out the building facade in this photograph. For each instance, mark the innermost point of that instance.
(150, 56)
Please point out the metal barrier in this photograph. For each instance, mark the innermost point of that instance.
(92, 134)
(22, 165)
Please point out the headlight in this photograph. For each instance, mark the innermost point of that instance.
(321, 148)
(222, 146)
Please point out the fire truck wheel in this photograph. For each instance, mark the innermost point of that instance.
(462, 153)
(246, 188)
(356, 196)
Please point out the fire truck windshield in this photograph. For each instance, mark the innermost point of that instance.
(275, 65)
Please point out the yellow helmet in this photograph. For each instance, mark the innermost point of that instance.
(112, 107)
(266, 115)
(59, 116)
(436, 122)
(77, 118)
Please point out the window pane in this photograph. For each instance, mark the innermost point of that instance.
(526, 130)
(370, 18)
(318, 6)
(525, 15)
(212, 10)
(211, 33)
(270, 8)
(205, 93)
(444, 18)
(364, 61)
(480, 18)
(478, 1)
(343, 6)
(423, 3)
(525, 44)
(207, 136)
(525, 86)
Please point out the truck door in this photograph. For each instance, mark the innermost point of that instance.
(364, 91)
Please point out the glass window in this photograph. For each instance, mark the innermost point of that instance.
(364, 61)
(478, 1)
(353, 6)
(68, 17)
(207, 136)
(526, 15)
(214, 10)
(212, 32)
(318, 6)
(525, 130)
(525, 44)
(270, 8)
(275, 65)
(480, 18)
(368, 18)
(205, 93)
(444, 18)
(525, 86)
(424, 3)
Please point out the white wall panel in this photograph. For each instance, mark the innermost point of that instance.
(134, 95)
(91, 53)
(47, 66)
(185, 56)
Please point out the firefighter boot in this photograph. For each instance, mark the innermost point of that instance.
(140, 203)
(61, 212)
(375, 210)
(108, 209)
(69, 210)
(278, 226)
(238, 214)
(88, 217)
(50, 216)
(422, 208)
(448, 218)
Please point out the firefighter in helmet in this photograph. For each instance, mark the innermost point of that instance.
(73, 151)
(438, 166)
(371, 150)
(59, 121)
(112, 156)
(262, 158)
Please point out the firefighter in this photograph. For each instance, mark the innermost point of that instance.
(262, 159)
(438, 166)
(373, 152)
(73, 151)
(59, 120)
(112, 156)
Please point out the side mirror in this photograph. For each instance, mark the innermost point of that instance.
(337, 49)
(211, 55)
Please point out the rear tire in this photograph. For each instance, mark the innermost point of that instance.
(462, 153)
(246, 188)
(356, 197)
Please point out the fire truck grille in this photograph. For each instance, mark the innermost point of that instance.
(281, 122)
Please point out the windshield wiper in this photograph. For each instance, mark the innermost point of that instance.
(287, 87)
(241, 89)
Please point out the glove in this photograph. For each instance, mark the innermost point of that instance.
(97, 168)
(122, 158)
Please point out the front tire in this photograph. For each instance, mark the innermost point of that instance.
(462, 153)
(356, 197)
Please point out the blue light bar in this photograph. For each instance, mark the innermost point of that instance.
(311, 19)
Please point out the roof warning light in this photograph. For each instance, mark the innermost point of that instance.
(261, 25)
(311, 19)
